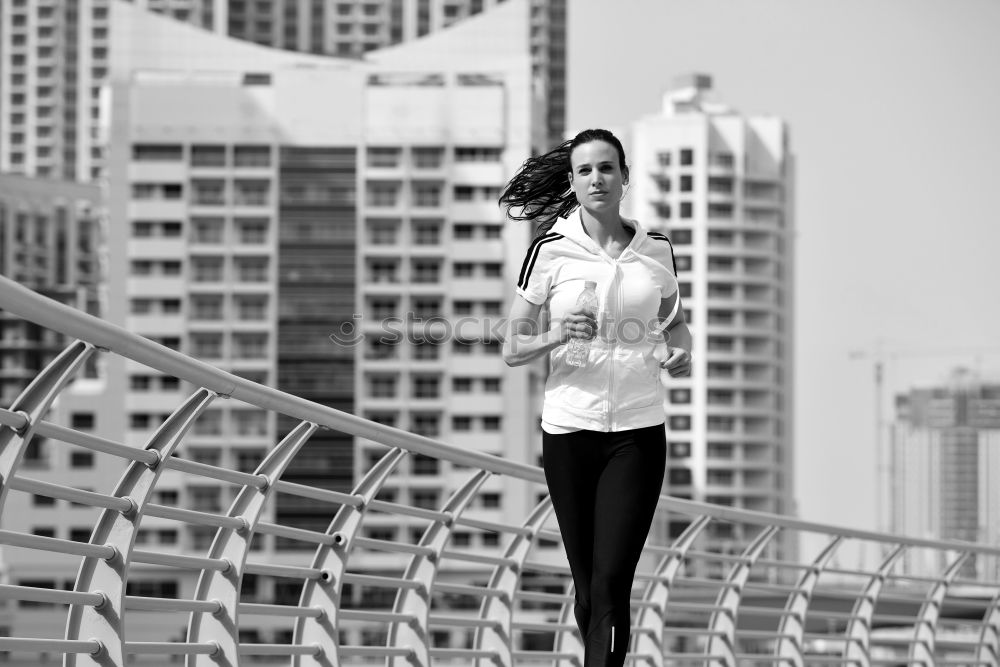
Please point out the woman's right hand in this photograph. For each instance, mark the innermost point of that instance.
(578, 323)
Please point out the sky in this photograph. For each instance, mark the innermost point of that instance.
(894, 115)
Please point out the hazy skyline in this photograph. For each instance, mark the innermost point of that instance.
(894, 110)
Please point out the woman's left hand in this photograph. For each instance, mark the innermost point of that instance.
(677, 363)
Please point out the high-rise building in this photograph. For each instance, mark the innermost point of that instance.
(49, 240)
(944, 463)
(720, 185)
(54, 60)
(257, 200)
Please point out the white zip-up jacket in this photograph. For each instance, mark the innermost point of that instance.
(619, 388)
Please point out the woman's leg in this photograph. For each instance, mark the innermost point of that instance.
(571, 469)
(626, 496)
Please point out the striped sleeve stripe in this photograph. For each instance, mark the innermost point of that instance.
(662, 237)
(529, 260)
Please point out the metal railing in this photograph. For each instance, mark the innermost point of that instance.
(404, 584)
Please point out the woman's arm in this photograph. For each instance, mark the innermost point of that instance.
(524, 342)
(677, 337)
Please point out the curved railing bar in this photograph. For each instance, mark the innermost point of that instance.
(925, 625)
(21, 301)
(32, 405)
(652, 617)
(567, 636)
(791, 629)
(498, 637)
(859, 628)
(423, 568)
(331, 560)
(222, 587)
(723, 621)
(989, 637)
(105, 622)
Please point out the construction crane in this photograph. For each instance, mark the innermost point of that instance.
(880, 354)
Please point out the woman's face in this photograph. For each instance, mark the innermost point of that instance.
(596, 178)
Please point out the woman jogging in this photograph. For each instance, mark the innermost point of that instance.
(604, 448)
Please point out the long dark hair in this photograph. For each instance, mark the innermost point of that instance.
(540, 189)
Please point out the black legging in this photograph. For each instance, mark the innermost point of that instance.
(604, 489)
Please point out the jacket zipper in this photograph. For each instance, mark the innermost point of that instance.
(616, 322)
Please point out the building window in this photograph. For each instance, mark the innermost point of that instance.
(82, 421)
(251, 269)
(382, 386)
(207, 307)
(383, 271)
(252, 156)
(492, 423)
(680, 450)
(427, 195)
(463, 231)
(425, 465)
(382, 232)
(208, 156)
(81, 460)
(383, 156)
(460, 385)
(252, 231)
(428, 158)
(687, 209)
(251, 307)
(679, 476)
(687, 157)
(206, 345)
(426, 270)
(250, 346)
(382, 307)
(425, 498)
(680, 423)
(462, 269)
(208, 192)
(493, 269)
(207, 230)
(157, 153)
(426, 232)
(426, 424)
(461, 423)
(663, 158)
(680, 396)
(687, 183)
(426, 386)
(381, 193)
(251, 192)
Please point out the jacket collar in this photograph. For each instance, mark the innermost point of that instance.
(571, 227)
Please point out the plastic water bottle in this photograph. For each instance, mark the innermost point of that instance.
(579, 348)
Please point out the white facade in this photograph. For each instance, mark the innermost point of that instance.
(720, 186)
(56, 57)
(210, 185)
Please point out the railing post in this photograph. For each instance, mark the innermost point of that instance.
(424, 568)
(33, 403)
(723, 622)
(858, 634)
(331, 559)
(792, 628)
(232, 545)
(925, 627)
(500, 610)
(652, 618)
(106, 622)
